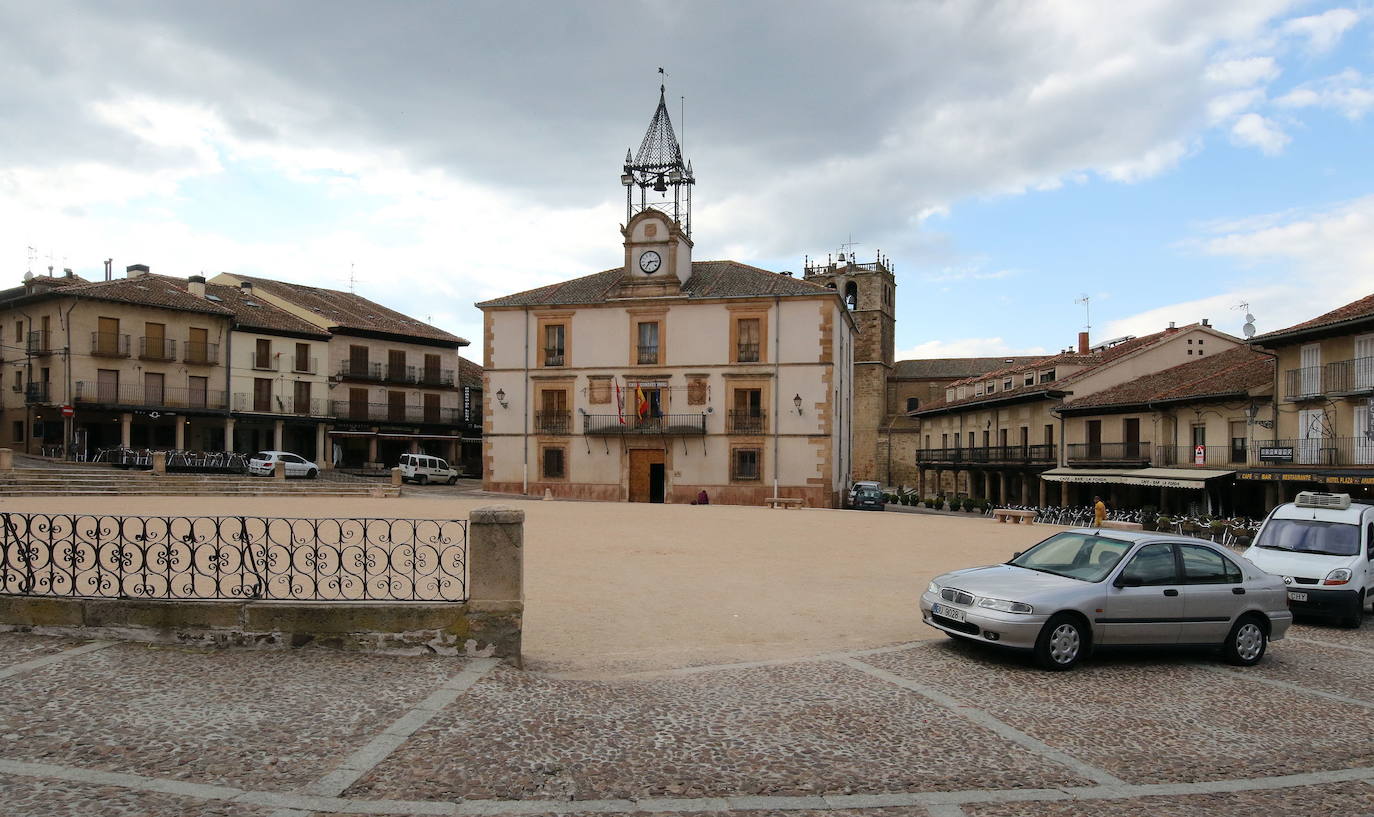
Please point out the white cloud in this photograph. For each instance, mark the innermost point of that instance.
(1322, 31)
(966, 347)
(1242, 73)
(1349, 93)
(1223, 107)
(1253, 130)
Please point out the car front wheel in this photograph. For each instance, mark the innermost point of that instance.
(311, 474)
(1356, 617)
(422, 479)
(1061, 644)
(452, 480)
(1245, 645)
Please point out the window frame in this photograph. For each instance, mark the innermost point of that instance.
(544, 463)
(735, 475)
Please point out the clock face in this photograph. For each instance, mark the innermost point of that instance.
(649, 261)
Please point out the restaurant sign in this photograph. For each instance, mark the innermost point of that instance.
(1276, 453)
(1329, 479)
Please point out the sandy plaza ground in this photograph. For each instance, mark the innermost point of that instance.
(617, 588)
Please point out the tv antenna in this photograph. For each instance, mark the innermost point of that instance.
(1249, 328)
(33, 256)
(352, 279)
(847, 248)
(1086, 300)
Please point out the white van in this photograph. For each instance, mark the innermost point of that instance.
(422, 468)
(1321, 545)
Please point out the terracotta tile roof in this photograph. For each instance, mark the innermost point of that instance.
(1363, 308)
(469, 373)
(709, 279)
(957, 367)
(145, 290)
(345, 310)
(249, 312)
(1234, 372)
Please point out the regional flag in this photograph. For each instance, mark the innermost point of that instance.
(641, 402)
(619, 404)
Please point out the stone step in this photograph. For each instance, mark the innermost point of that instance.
(123, 491)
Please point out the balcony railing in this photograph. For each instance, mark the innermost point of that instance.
(746, 421)
(40, 342)
(1303, 384)
(648, 354)
(1120, 453)
(272, 404)
(109, 344)
(1350, 376)
(552, 422)
(679, 425)
(92, 393)
(200, 354)
(305, 365)
(37, 393)
(389, 413)
(553, 356)
(436, 377)
(360, 370)
(748, 353)
(152, 348)
(264, 363)
(400, 373)
(1185, 456)
(1000, 454)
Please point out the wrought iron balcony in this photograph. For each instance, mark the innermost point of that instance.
(155, 348)
(747, 421)
(392, 413)
(553, 422)
(648, 355)
(553, 356)
(360, 370)
(92, 393)
(1323, 451)
(1304, 384)
(400, 373)
(1186, 456)
(677, 425)
(40, 343)
(264, 363)
(200, 354)
(1350, 376)
(1109, 453)
(747, 353)
(273, 404)
(999, 454)
(436, 377)
(305, 365)
(37, 393)
(109, 344)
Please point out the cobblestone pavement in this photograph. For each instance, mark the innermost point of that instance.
(932, 728)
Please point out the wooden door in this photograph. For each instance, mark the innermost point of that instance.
(153, 389)
(1095, 439)
(107, 385)
(640, 468)
(154, 337)
(198, 346)
(1130, 435)
(107, 338)
(432, 413)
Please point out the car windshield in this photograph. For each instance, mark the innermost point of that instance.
(1310, 536)
(440, 464)
(870, 493)
(262, 455)
(1084, 556)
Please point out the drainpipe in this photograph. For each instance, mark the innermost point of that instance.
(66, 320)
(525, 409)
(228, 382)
(777, 386)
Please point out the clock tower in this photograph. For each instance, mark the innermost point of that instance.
(658, 210)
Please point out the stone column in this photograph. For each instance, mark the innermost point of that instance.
(323, 455)
(1044, 493)
(160, 463)
(1002, 488)
(987, 486)
(1026, 489)
(180, 444)
(920, 482)
(6, 459)
(229, 434)
(372, 449)
(496, 589)
(414, 446)
(126, 425)
(278, 433)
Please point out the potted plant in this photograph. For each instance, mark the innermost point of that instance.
(1163, 522)
(954, 503)
(973, 505)
(1217, 527)
(1149, 522)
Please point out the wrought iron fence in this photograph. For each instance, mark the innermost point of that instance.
(233, 557)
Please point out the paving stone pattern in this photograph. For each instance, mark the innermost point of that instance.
(21, 797)
(1341, 800)
(268, 720)
(1151, 717)
(16, 648)
(811, 728)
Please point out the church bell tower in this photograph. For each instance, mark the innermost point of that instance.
(658, 209)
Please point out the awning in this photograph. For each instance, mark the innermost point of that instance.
(1195, 478)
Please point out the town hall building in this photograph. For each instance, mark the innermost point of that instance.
(665, 377)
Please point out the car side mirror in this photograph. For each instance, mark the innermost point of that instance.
(1129, 581)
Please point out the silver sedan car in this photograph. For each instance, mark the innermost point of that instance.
(1085, 588)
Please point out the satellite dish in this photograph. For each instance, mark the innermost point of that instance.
(1249, 318)
(1248, 330)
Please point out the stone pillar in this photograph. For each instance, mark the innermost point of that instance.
(323, 456)
(279, 471)
(1044, 493)
(987, 486)
(396, 477)
(372, 449)
(451, 450)
(229, 434)
(1026, 498)
(6, 459)
(160, 463)
(1002, 488)
(278, 433)
(180, 444)
(1272, 496)
(414, 446)
(920, 482)
(126, 425)
(496, 589)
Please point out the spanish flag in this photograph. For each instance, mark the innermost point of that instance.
(641, 403)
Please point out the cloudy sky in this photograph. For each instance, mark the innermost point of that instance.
(1169, 159)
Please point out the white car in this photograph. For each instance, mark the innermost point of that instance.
(1322, 545)
(422, 468)
(263, 463)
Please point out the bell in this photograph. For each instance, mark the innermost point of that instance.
(659, 186)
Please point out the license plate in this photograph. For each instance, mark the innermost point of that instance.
(948, 612)
(1297, 597)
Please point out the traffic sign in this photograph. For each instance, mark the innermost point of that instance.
(68, 411)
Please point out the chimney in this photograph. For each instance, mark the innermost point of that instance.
(1082, 343)
(1205, 322)
(66, 272)
(195, 284)
(246, 287)
(135, 270)
(1171, 325)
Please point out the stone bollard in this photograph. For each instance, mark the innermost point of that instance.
(279, 470)
(160, 463)
(548, 493)
(496, 587)
(396, 477)
(6, 459)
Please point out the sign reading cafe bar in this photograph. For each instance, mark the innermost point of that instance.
(1330, 479)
